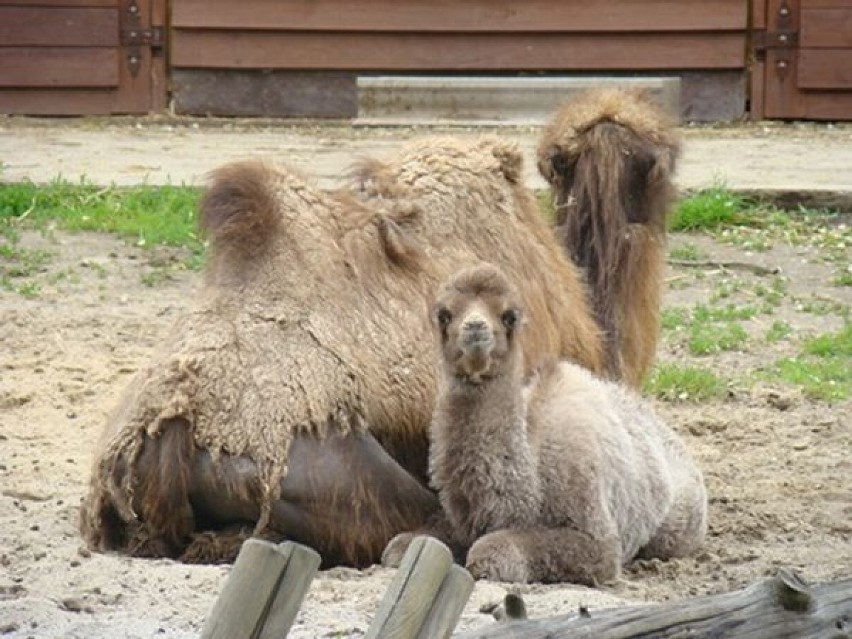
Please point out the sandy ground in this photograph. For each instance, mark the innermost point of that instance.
(777, 465)
(160, 151)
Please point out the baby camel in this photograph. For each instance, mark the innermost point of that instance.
(563, 477)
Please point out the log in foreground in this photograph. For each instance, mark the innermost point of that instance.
(783, 606)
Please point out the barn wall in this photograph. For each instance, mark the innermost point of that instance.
(301, 57)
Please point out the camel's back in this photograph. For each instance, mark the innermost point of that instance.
(599, 438)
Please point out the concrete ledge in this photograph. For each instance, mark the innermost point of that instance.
(390, 100)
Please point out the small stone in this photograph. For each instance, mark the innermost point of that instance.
(73, 604)
(74, 563)
(10, 627)
(84, 552)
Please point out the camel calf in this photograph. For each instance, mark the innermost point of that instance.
(564, 477)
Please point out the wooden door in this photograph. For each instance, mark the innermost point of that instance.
(80, 57)
(803, 59)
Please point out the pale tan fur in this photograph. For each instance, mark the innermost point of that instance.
(609, 156)
(312, 322)
(562, 478)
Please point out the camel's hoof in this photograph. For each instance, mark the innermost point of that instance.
(497, 558)
(214, 548)
(395, 550)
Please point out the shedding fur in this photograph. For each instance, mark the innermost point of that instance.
(308, 346)
(562, 478)
(609, 157)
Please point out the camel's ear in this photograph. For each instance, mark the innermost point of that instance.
(555, 163)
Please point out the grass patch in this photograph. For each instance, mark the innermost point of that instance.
(684, 383)
(844, 277)
(823, 370)
(674, 318)
(706, 338)
(778, 331)
(688, 252)
(147, 215)
(708, 209)
(727, 313)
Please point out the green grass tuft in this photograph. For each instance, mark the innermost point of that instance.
(684, 383)
(706, 338)
(824, 368)
(148, 215)
(778, 331)
(708, 209)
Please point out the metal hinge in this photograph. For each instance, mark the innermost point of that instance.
(134, 36)
(153, 37)
(763, 40)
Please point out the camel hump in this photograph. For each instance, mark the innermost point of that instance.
(508, 155)
(239, 209)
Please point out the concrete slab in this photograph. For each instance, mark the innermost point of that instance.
(491, 100)
(783, 158)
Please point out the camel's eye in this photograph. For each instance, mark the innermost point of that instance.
(444, 317)
(510, 319)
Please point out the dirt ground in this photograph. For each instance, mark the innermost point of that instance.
(777, 465)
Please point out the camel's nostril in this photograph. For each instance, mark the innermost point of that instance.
(475, 326)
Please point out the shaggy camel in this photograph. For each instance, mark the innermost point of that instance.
(609, 158)
(293, 400)
(563, 478)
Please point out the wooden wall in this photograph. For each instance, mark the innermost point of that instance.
(69, 57)
(295, 55)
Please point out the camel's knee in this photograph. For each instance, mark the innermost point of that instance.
(498, 556)
(683, 530)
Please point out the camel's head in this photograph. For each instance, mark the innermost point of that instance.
(477, 317)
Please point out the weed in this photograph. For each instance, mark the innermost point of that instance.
(778, 331)
(688, 252)
(703, 313)
(684, 383)
(674, 318)
(706, 338)
(844, 277)
(708, 209)
(824, 367)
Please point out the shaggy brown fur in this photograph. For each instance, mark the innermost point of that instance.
(311, 327)
(562, 479)
(609, 158)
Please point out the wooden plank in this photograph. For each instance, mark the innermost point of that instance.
(634, 52)
(468, 16)
(782, 606)
(825, 69)
(409, 597)
(826, 4)
(244, 602)
(448, 605)
(58, 26)
(60, 3)
(758, 15)
(57, 101)
(58, 67)
(757, 100)
(826, 28)
(302, 566)
(248, 92)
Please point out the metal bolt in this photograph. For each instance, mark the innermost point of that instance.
(133, 9)
(783, 38)
(784, 11)
(782, 64)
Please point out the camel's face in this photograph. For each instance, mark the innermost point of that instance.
(477, 318)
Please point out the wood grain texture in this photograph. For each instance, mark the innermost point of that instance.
(468, 16)
(409, 597)
(345, 51)
(778, 607)
(58, 26)
(242, 606)
(448, 604)
(301, 568)
(825, 69)
(58, 67)
(826, 28)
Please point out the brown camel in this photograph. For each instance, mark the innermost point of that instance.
(609, 158)
(293, 399)
(562, 478)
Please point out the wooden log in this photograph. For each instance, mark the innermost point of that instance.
(783, 606)
(301, 568)
(448, 605)
(255, 585)
(409, 597)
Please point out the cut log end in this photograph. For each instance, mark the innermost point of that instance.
(792, 592)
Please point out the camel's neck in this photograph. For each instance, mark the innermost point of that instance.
(480, 438)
